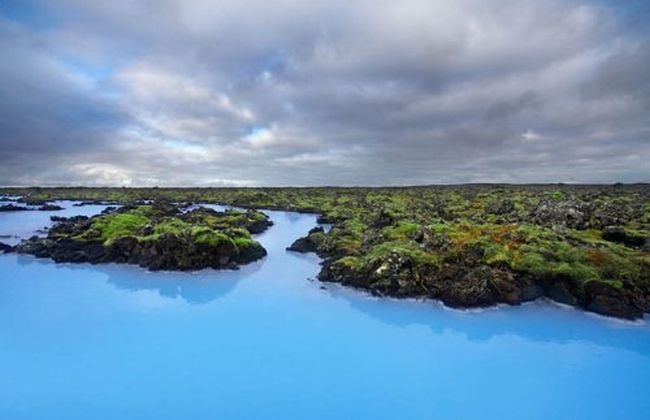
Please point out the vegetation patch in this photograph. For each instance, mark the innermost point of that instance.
(471, 245)
(158, 236)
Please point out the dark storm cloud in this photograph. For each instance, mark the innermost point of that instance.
(283, 93)
(48, 114)
(504, 109)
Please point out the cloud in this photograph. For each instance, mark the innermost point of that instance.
(193, 92)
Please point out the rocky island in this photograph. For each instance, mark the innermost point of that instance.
(468, 246)
(158, 236)
(13, 207)
(473, 249)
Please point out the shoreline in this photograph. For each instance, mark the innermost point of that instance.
(405, 269)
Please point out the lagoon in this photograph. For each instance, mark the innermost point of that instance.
(82, 341)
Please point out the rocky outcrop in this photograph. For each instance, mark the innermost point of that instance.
(50, 207)
(44, 207)
(253, 221)
(169, 252)
(573, 214)
(467, 282)
(309, 243)
(502, 207)
(13, 207)
(251, 253)
(382, 219)
(68, 219)
(32, 201)
(6, 248)
(91, 203)
(620, 235)
(322, 219)
(616, 213)
(614, 299)
(259, 226)
(157, 237)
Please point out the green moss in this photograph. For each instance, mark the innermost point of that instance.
(573, 270)
(237, 233)
(587, 236)
(405, 248)
(348, 246)
(244, 243)
(441, 228)
(531, 262)
(207, 236)
(173, 226)
(355, 226)
(558, 195)
(497, 254)
(352, 263)
(617, 284)
(403, 231)
(200, 226)
(144, 210)
(317, 237)
(118, 225)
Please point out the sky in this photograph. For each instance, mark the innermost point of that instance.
(338, 92)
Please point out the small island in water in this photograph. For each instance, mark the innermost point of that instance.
(158, 236)
(468, 246)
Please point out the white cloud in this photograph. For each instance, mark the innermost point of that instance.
(275, 137)
(104, 174)
(327, 92)
(530, 135)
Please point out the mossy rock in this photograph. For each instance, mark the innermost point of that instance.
(156, 236)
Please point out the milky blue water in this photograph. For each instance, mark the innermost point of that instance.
(17, 225)
(109, 341)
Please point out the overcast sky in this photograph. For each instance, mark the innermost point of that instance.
(339, 92)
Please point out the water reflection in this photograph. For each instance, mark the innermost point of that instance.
(539, 321)
(198, 287)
